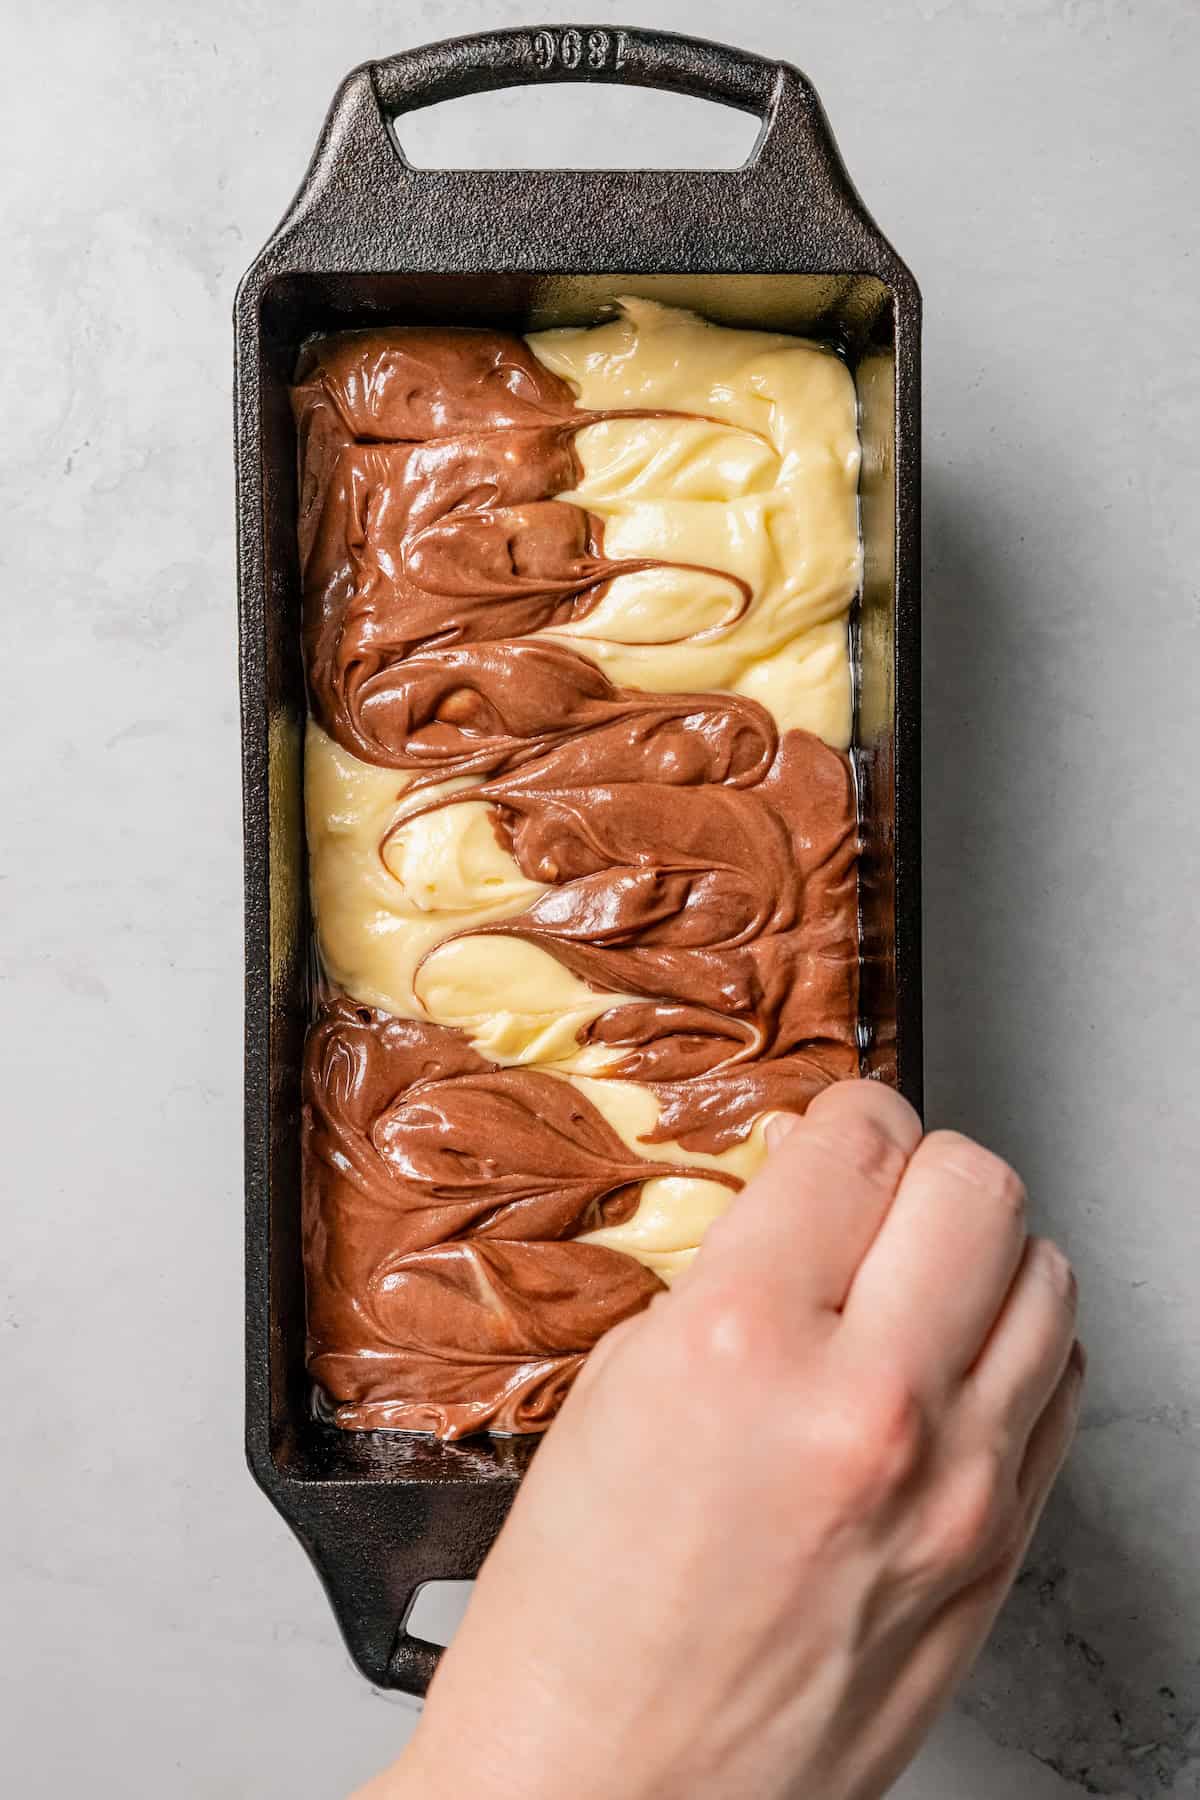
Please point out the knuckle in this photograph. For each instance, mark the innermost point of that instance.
(981, 1168)
(973, 1522)
(880, 1443)
(860, 1145)
(731, 1331)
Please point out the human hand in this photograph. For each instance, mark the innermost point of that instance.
(780, 1509)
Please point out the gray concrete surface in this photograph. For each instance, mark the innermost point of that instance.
(1035, 162)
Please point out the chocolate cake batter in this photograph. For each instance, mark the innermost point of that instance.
(582, 930)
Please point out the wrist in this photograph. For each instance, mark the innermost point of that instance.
(490, 1761)
(432, 1768)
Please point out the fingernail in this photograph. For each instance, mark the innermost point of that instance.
(778, 1128)
(1060, 1271)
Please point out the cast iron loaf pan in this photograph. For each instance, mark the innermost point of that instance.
(783, 242)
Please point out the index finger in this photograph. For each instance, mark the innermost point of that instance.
(808, 1219)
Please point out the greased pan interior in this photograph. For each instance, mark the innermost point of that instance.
(783, 242)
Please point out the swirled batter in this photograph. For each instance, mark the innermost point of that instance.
(581, 829)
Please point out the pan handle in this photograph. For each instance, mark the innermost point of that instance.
(412, 1664)
(619, 54)
(794, 168)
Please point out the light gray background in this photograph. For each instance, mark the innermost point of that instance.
(1035, 163)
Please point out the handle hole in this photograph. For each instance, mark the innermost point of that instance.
(580, 125)
(437, 1610)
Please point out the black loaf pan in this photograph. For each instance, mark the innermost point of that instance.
(783, 242)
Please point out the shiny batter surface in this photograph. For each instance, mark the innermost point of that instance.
(581, 829)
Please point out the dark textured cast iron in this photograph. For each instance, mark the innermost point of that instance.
(783, 242)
